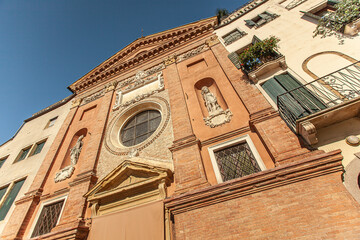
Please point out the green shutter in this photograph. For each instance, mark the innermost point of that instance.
(10, 199)
(273, 89)
(303, 96)
(2, 192)
(250, 23)
(234, 58)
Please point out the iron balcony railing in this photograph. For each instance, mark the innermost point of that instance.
(323, 93)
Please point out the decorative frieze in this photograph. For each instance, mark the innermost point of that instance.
(142, 74)
(93, 97)
(192, 53)
(139, 82)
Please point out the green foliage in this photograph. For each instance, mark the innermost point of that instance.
(221, 13)
(258, 53)
(346, 12)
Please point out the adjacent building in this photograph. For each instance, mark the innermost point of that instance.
(22, 155)
(174, 138)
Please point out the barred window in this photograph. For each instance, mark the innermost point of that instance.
(261, 19)
(140, 127)
(236, 161)
(48, 218)
(235, 158)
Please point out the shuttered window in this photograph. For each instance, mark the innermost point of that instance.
(10, 199)
(301, 101)
(261, 19)
(234, 58)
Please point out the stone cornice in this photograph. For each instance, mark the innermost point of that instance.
(311, 167)
(156, 45)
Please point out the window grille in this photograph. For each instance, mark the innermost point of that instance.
(140, 127)
(236, 161)
(261, 19)
(48, 218)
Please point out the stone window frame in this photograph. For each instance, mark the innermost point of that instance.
(246, 138)
(313, 12)
(42, 205)
(118, 121)
(242, 34)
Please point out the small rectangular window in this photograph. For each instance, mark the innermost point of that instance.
(23, 154)
(48, 218)
(38, 147)
(2, 161)
(51, 122)
(5, 207)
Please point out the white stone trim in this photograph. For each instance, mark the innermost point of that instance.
(246, 138)
(45, 203)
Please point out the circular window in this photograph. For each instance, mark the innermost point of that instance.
(140, 127)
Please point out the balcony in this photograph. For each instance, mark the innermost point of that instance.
(323, 102)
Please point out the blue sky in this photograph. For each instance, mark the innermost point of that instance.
(47, 45)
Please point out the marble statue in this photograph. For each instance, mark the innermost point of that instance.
(75, 151)
(211, 102)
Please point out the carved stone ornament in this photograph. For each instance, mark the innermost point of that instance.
(64, 173)
(192, 53)
(170, 60)
(137, 84)
(67, 172)
(75, 102)
(214, 40)
(308, 132)
(217, 116)
(93, 97)
(142, 74)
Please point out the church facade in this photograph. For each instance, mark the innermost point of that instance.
(169, 139)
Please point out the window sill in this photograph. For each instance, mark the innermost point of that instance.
(266, 67)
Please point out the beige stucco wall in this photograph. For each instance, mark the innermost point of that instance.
(333, 137)
(31, 133)
(296, 38)
(295, 31)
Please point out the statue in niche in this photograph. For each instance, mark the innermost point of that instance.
(75, 151)
(211, 102)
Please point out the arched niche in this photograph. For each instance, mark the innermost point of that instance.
(323, 63)
(66, 162)
(211, 84)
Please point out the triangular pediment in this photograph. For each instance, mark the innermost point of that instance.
(128, 176)
(143, 49)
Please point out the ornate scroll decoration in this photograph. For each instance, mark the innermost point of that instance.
(138, 83)
(192, 53)
(67, 172)
(217, 116)
(142, 74)
(294, 3)
(93, 97)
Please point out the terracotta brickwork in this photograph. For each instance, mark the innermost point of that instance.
(305, 201)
